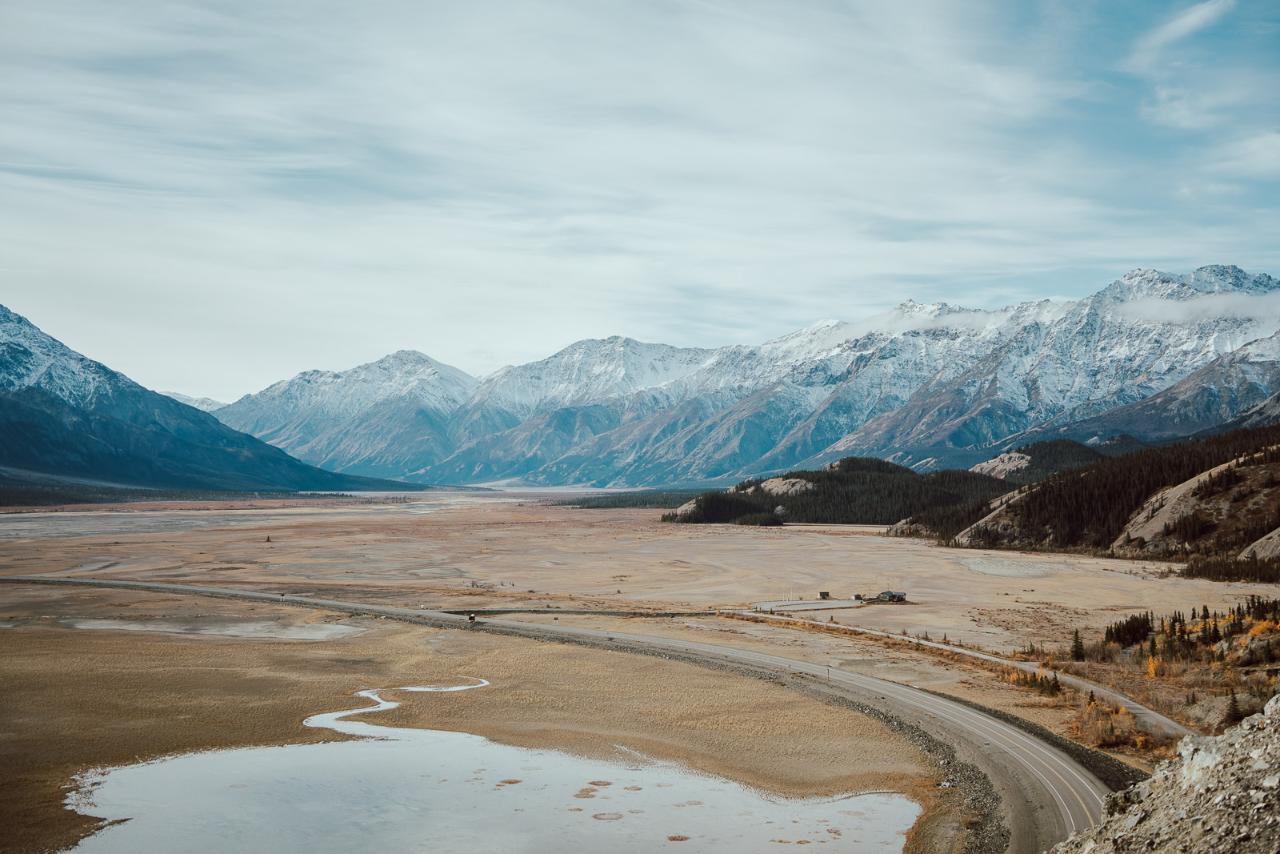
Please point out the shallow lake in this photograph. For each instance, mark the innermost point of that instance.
(402, 790)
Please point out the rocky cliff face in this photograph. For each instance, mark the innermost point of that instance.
(1222, 794)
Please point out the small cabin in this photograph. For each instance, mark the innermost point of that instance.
(824, 594)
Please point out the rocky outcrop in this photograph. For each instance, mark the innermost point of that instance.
(1218, 497)
(1246, 494)
(1221, 794)
(1003, 465)
(786, 486)
(684, 511)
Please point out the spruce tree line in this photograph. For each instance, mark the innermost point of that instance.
(1266, 571)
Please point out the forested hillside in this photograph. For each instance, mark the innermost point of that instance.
(854, 490)
(1207, 501)
(1022, 466)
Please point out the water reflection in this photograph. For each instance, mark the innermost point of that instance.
(411, 790)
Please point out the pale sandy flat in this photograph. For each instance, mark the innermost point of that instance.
(484, 551)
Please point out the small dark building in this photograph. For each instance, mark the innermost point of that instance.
(824, 594)
(893, 596)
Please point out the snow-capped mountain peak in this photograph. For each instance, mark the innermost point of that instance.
(386, 417)
(31, 358)
(1220, 278)
(592, 369)
(402, 374)
(1211, 279)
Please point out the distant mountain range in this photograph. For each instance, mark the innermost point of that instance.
(66, 415)
(1150, 357)
(1153, 355)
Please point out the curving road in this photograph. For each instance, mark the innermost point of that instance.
(1045, 793)
(1147, 719)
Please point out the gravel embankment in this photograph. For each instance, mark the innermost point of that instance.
(1222, 794)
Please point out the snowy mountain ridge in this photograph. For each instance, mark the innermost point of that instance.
(405, 373)
(922, 382)
(588, 371)
(385, 418)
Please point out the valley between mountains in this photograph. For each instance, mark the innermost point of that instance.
(179, 575)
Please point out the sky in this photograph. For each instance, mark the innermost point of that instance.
(214, 196)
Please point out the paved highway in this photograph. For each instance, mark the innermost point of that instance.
(1148, 719)
(1045, 793)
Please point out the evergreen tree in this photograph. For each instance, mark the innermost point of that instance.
(1077, 647)
(1233, 715)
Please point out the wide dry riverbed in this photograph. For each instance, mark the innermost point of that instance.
(112, 677)
(451, 551)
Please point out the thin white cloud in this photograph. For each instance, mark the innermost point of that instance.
(1207, 99)
(1147, 49)
(1255, 156)
(1263, 310)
